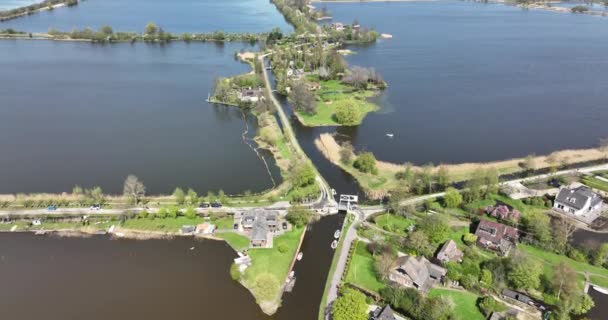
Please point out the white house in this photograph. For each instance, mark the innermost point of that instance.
(580, 201)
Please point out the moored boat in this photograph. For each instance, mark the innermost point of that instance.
(334, 244)
(300, 255)
(337, 234)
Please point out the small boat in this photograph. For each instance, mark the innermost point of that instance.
(13, 228)
(334, 244)
(337, 234)
(386, 36)
(192, 248)
(300, 255)
(600, 289)
(390, 135)
(292, 274)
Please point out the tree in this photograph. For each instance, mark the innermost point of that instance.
(304, 175)
(106, 30)
(600, 255)
(485, 279)
(151, 29)
(524, 272)
(179, 196)
(538, 224)
(563, 230)
(350, 305)
(383, 265)
(133, 188)
(266, 287)
(418, 242)
(77, 190)
(564, 280)
(298, 216)
(162, 213)
(302, 99)
(366, 162)
(435, 227)
(452, 198)
(347, 114)
(604, 141)
(346, 153)
(190, 213)
(443, 177)
(529, 163)
(583, 305)
(173, 212)
(192, 197)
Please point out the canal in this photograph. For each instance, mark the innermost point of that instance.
(97, 278)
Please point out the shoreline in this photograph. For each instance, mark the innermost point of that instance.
(356, 1)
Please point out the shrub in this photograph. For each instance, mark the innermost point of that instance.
(265, 287)
(366, 163)
(283, 248)
(143, 214)
(347, 114)
(235, 274)
(469, 238)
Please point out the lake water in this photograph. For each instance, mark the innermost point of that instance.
(77, 113)
(97, 278)
(175, 16)
(12, 4)
(475, 82)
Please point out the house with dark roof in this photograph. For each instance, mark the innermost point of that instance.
(449, 252)
(260, 225)
(416, 272)
(259, 235)
(382, 313)
(579, 201)
(496, 236)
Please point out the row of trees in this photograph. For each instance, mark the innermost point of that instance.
(14, 13)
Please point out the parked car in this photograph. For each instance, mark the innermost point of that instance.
(51, 208)
(204, 205)
(236, 226)
(216, 205)
(284, 225)
(95, 207)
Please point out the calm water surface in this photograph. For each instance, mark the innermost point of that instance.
(175, 16)
(475, 82)
(76, 113)
(97, 278)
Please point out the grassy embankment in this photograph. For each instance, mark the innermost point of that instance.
(332, 95)
(393, 223)
(334, 262)
(361, 269)
(596, 183)
(380, 184)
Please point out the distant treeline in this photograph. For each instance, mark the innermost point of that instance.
(14, 13)
(152, 33)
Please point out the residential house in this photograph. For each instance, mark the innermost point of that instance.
(248, 220)
(496, 236)
(580, 201)
(338, 26)
(272, 222)
(249, 95)
(205, 228)
(259, 235)
(416, 272)
(449, 252)
(382, 313)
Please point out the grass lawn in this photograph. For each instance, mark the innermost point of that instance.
(332, 94)
(222, 223)
(456, 234)
(361, 269)
(235, 240)
(551, 260)
(600, 281)
(271, 260)
(465, 303)
(166, 225)
(595, 183)
(393, 223)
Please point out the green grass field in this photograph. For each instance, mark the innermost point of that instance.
(235, 240)
(272, 260)
(361, 269)
(332, 94)
(393, 223)
(595, 183)
(222, 223)
(166, 225)
(551, 260)
(465, 303)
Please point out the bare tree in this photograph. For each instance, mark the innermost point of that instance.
(604, 146)
(564, 280)
(133, 188)
(384, 264)
(302, 99)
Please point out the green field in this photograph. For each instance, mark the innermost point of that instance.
(272, 260)
(465, 303)
(361, 269)
(222, 223)
(333, 94)
(551, 260)
(393, 223)
(595, 183)
(165, 225)
(235, 240)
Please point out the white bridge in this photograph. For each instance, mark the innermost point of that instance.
(348, 202)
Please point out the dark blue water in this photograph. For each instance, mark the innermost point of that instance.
(77, 113)
(475, 82)
(175, 16)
